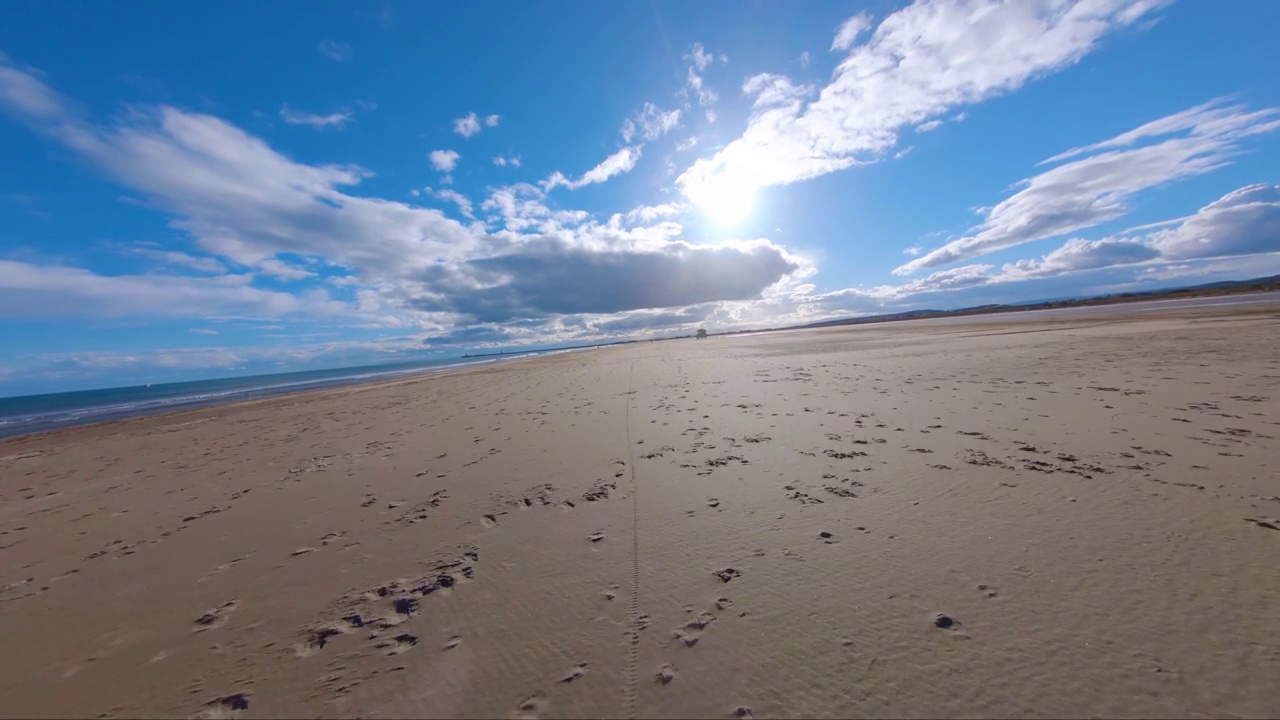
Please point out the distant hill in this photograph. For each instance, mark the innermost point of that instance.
(1226, 287)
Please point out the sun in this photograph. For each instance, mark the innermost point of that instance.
(727, 200)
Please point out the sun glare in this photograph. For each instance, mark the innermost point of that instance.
(726, 201)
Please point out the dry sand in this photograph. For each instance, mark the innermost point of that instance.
(1091, 501)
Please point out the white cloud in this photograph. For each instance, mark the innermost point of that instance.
(913, 250)
(336, 51)
(298, 117)
(444, 160)
(1077, 254)
(651, 122)
(471, 124)
(29, 291)
(616, 164)
(457, 198)
(1094, 187)
(503, 161)
(467, 126)
(202, 331)
(172, 258)
(650, 213)
(282, 270)
(927, 126)
(22, 90)
(772, 90)
(849, 31)
(246, 205)
(522, 209)
(1242, 222)
(241, 200)
(699, 57)
(922, 61)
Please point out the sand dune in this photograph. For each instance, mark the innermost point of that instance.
(988, 518)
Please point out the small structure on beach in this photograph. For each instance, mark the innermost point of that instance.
(702, 334)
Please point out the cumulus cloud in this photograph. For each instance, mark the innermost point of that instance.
(920, 63)
(246, 205)
(471, 124)
(241, 200)
(549, 276)
(297, 117)
(1093, 187)
(336, 51)
(618, 163)
(444, 160)
(1243, 222)
(505, 160)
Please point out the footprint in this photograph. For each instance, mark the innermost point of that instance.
(666, 674)
(532, 707)
(687, 638)
(701, 622)
(727, 574)
(454, 642)
(596, 536)
(215, 617)
(401, 643)
(575, 673)
(230, 706)
(1269, 523)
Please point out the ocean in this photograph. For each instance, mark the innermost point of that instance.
(35, 413)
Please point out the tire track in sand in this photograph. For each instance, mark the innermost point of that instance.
(633, 633)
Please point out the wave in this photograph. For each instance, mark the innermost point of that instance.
(88, 407)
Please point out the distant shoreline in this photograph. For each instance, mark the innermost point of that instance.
(15, 427)
(1247, 287)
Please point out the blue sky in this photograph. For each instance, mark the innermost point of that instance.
(194, 190)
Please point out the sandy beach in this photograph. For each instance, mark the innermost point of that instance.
(1072, 516)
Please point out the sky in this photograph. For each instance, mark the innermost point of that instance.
(194, 190)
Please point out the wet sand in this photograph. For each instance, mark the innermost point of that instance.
(996, 517)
